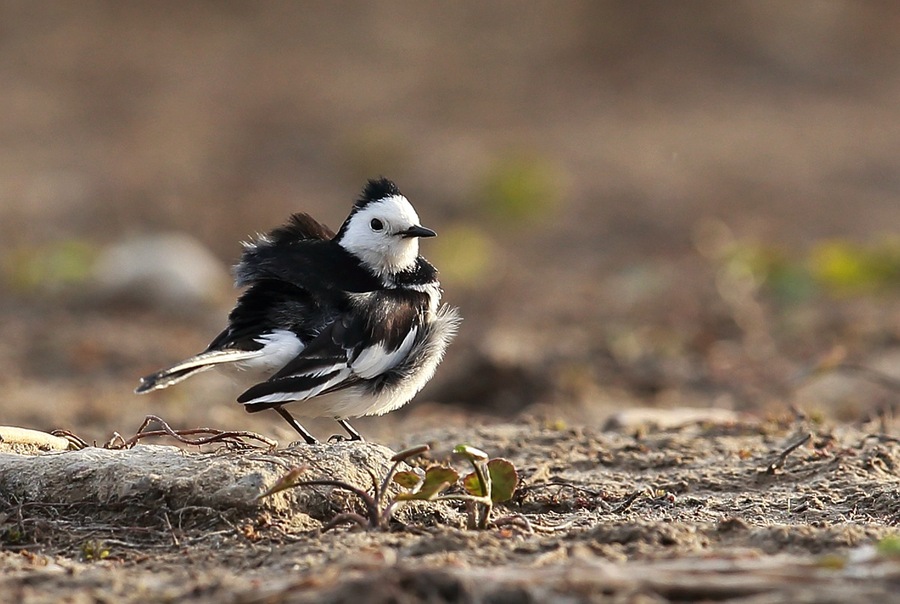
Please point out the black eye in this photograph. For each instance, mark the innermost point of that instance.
(376, 224)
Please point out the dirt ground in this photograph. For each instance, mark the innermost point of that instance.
(671, 229)
(704, 511)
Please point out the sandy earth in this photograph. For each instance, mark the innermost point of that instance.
(704, 511)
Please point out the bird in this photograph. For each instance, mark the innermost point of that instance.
(340, 325)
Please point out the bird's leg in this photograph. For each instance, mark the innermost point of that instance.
(354, 435)
(309, 438)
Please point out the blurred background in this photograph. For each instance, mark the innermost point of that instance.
(638, 203)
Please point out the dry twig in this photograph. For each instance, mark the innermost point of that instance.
(782, 457)
(627, 503)
(235, 438)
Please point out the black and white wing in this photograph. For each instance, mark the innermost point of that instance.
(268, 326)
(268, 306)
(365, 343)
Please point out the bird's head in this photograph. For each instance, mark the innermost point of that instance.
(383, 229)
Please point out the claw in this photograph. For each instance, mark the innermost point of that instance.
(354, 435)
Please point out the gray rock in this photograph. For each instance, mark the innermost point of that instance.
(170, 270)
(127, 483)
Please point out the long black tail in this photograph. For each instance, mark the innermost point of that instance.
(185, 369)
(166, 378)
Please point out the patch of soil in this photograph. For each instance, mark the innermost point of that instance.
(777, 511)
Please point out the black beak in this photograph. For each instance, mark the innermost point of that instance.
(417, 231)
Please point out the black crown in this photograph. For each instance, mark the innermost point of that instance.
(377, 188)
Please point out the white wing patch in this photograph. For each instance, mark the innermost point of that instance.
(280, 346)
(289, 397)
(375, 360)
(372, 362)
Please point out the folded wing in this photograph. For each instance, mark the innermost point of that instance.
(368, 341)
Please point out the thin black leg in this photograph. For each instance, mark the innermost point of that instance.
(309, 438)
(354, 435)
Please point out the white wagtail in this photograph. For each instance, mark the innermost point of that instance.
(345, 325)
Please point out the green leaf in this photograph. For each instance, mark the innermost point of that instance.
(437, 478)
(472, 485)
(470, 453)
(504, 479)
(409, 479)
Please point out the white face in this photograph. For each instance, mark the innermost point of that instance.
(374, 235)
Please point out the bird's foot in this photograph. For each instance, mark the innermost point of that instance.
(340, 438)
(302, 443)
(353, 434)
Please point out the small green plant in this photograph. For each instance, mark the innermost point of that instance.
(94, 550)
(492, 481)
(378, 507)
(12, 536)
(836, 267)
(50, 267)
(467, 253)
(845, 267)
(521, 188)
(889, 547)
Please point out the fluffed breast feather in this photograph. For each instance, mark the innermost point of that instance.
(420, 365)
(385, 334)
